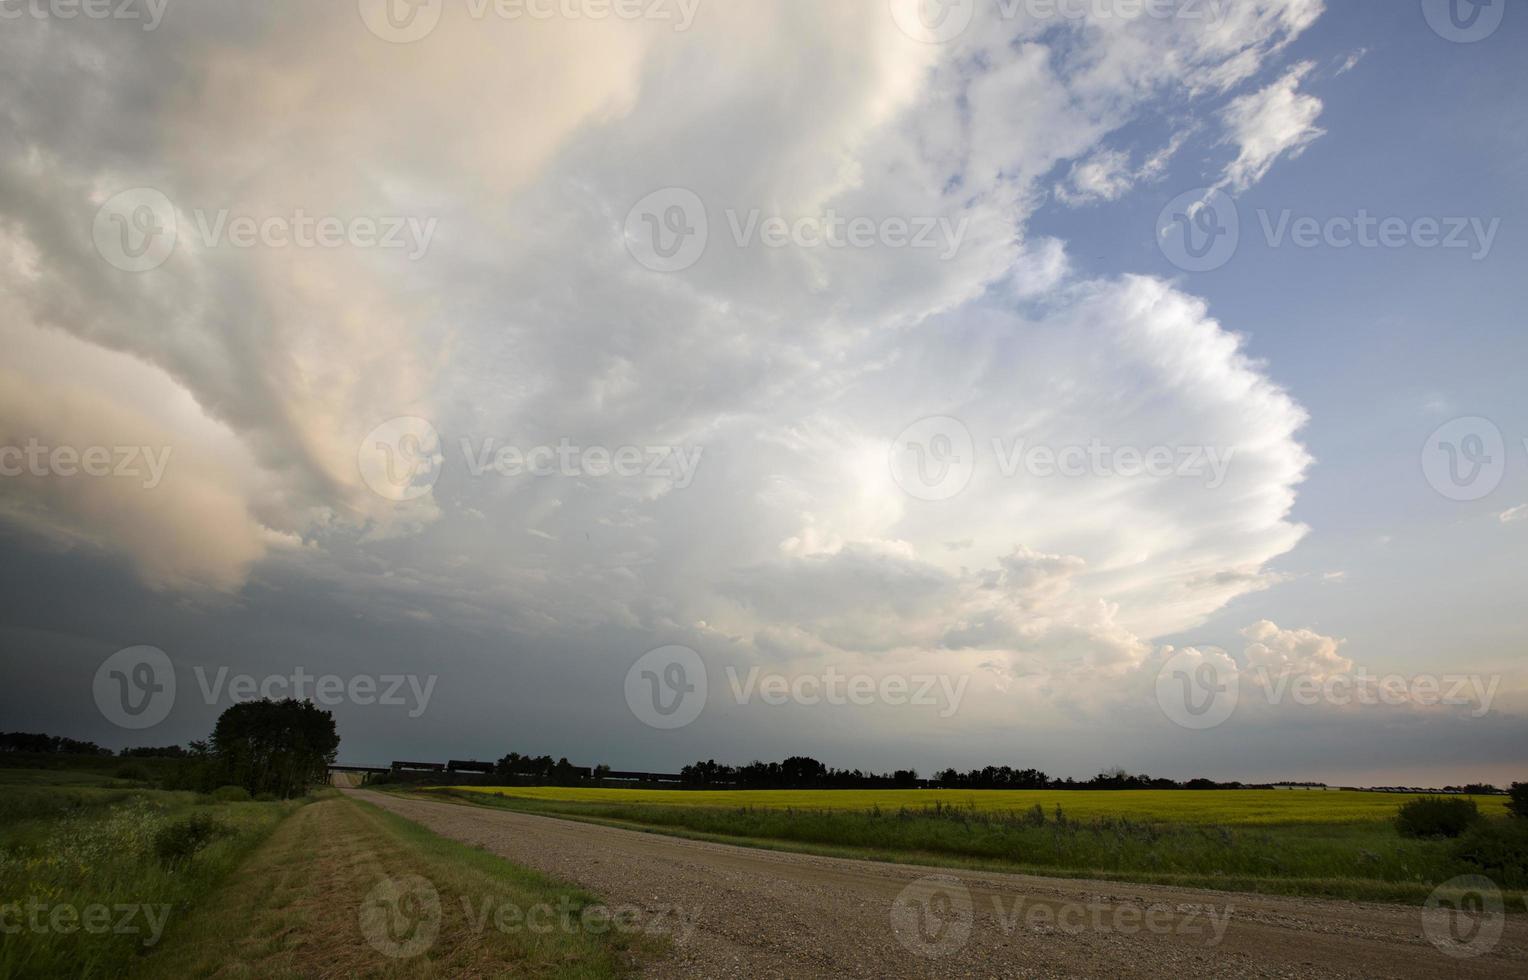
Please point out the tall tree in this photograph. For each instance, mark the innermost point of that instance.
(281, 747)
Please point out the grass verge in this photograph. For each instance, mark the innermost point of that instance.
(91, 876)
(346, 889)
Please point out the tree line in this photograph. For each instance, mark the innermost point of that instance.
(796, 772)
(48, 744)
(804, 772)
(267, 748)
(540, 769)
(800, 772)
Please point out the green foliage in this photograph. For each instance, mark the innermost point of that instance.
(1436, 816)
(65, 842)
(280, 747)
(231, 794)
(52, 799)
(1517, 804)
(176, 842)
(1497, 849)
(29, 742)
(165, 773)
(134, 772)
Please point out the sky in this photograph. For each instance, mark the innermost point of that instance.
(1065, 385)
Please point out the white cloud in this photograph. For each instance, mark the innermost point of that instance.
(1108, 174)
(1277, 121)
(1298, 651)
(180, 495)
(529, 322)
(1352, 60)
(1104, 176)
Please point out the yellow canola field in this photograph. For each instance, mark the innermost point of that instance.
(1231, 807)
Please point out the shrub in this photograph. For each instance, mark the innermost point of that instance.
(133, 771)
(1497, 849)
(1436, 816)
(1518, 804)
(231, 794)
(265, 798)
(176, 842)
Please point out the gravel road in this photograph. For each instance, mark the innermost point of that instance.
(745, 912)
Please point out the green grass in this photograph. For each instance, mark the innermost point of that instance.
(80, 883)
(1119, 835)
(92, 885)
(1229, 807)
(63, 767)
(307, 904)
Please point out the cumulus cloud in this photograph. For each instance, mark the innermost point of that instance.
(529, 322)
(1298, 651)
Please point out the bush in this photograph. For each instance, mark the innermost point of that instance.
(1518, 804)
(1436, 816)
(266, 798)
(176, 842)
(231, 794)
(1497, 849)
(133, 771)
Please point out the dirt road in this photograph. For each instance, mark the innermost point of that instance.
(743, 912)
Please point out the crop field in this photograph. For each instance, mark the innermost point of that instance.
(1335, 844)
(1208, 807)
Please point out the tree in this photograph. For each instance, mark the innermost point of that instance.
(280, 747)
(1436, 816)
(800, 770)
(1517, 805)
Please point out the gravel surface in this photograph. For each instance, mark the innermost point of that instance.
(745, 912)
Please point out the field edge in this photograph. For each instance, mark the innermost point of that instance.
(1337, 889)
